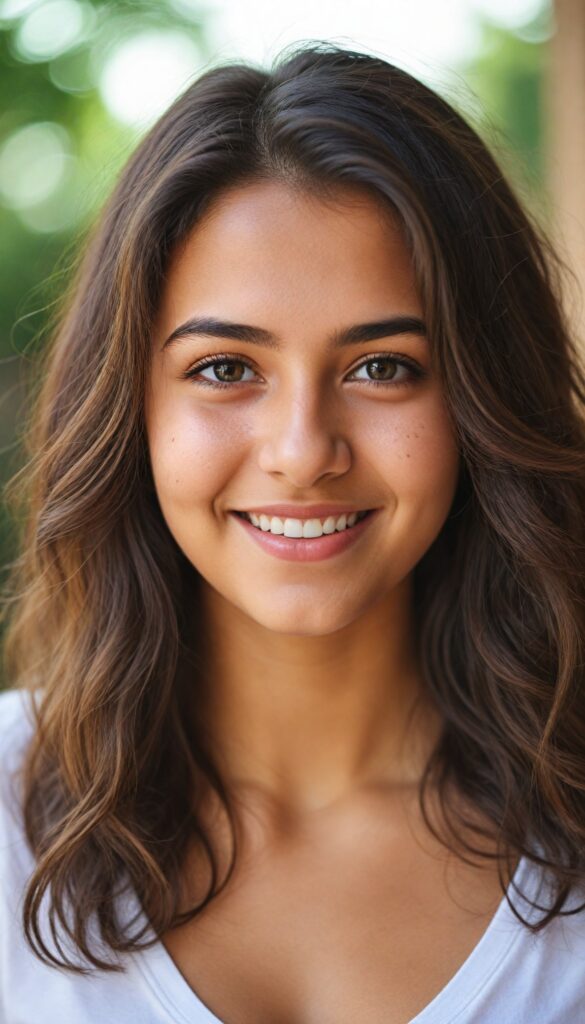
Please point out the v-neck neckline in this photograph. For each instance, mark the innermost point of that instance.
(184, 1006)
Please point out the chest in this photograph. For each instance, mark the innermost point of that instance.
(335, 935)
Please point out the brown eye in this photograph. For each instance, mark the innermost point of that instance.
(391, 369)
(223, 371)
(229, 373)
(384, 369)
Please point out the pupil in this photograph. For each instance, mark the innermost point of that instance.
(386, 365)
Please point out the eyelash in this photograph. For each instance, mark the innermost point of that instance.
(416, 371)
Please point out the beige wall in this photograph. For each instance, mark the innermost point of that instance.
(565, 144)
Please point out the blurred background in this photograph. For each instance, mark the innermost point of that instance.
(82, 80)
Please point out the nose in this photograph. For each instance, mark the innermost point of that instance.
(300, 438)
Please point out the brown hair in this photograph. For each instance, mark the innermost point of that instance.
(100, 592)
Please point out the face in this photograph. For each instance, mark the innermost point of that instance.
(289, 415)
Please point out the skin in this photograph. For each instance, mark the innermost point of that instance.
(315, 707)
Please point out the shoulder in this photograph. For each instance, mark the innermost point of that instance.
(16, 730)
(513, 973)
(16, 859)
(16, 725)
(531, 966)
(15, 711)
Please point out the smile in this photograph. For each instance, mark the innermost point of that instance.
(306, 540)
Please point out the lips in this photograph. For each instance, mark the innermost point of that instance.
(307, 549)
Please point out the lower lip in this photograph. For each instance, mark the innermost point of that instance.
(313, 549)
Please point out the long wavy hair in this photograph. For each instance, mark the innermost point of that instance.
(98, 596)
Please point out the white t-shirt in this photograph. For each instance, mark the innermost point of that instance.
(511, 977)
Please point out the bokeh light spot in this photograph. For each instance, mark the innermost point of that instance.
(33, 163)
(11, 9)
(51, 29)
(144, 74)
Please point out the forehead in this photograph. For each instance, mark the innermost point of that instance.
(266, 246)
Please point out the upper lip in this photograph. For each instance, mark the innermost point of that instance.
(303, 511)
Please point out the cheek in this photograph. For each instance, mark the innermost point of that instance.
(195, 453)
(415, 450)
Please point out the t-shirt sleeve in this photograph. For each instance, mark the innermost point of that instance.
(16, 861)
(32, 992)
(16, 729)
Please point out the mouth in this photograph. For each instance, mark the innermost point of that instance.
(307, 540)
(304, 529)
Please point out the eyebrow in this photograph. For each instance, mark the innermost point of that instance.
(358, 333)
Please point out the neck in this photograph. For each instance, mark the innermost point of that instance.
(310, 721)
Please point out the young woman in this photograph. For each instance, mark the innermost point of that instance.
(295, 732)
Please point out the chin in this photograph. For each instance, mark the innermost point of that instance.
(305, 621)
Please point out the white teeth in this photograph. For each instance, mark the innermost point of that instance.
(305, 528)
(293, 528)
(312, 528)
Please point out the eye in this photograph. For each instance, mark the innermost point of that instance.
(225, 371)
(389, 370)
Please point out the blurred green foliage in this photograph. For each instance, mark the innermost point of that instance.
(509, 80)
(56, 127)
